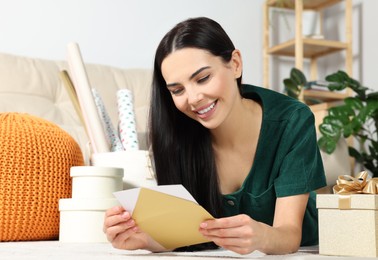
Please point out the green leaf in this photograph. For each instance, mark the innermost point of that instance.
(342, 113)
(291, 88)
(335, 121)
(373, 95)
(298, 77)
(364, 114)
(330, 130)
(355, 154)
(375, 145)
(336, 86)
(373, 152)
(343, 110)
(327, 145)
(357, 123)
(353, 103)
(321, 141)
(339, 76)
(354, 84)
(347, 130)
(357, 87)
(292, 94)
(371, 106)
(290, 84)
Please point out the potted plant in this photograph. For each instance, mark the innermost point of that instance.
(355, 116)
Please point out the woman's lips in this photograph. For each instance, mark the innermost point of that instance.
(207, 111)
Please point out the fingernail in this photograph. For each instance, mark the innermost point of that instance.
(203, 225)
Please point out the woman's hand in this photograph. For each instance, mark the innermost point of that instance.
(123, 233)
(240, 233)
(244, 235)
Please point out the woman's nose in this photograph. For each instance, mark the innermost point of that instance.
(194, 97)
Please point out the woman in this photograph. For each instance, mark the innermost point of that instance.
(246, 154)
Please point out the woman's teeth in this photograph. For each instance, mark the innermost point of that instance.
(203, 111)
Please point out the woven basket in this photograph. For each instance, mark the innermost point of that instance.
(35, 160)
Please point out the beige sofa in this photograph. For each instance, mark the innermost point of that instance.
(33, 86)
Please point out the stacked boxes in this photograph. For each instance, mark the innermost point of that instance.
(82, 216)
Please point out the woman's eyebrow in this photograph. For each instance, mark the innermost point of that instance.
(198, 71)
(191, 76)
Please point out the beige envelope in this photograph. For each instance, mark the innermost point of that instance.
(172, 221)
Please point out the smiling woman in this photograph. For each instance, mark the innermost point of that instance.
(202, 83)
(247, 154)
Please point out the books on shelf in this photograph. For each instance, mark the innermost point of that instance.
(321, 85)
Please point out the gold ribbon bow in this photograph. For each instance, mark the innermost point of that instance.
(347, 184)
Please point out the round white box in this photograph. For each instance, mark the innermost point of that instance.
(95, 182)
(82, 220)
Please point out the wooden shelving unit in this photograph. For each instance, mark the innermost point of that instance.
(307, 5)
(312, 48)
(301, 48)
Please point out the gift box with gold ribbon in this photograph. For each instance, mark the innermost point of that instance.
(348, 219)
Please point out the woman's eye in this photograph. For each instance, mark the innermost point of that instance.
(203, 79)
(177, 91)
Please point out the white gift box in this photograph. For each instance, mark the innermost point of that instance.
(348, 224)
(82, 220)
(95, 182)
(138, 171)
(82, 216)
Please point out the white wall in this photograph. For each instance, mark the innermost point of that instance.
(125, 33)
(365, 42)
(122, 33)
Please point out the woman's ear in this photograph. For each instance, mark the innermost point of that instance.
(237, 63)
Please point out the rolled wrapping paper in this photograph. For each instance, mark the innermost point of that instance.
(110, 132)
(91, 118)
(127, 125)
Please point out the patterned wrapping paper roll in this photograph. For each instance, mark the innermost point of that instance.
(127, 125)
(110, 132)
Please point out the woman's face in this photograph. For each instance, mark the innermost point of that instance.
(202, 85)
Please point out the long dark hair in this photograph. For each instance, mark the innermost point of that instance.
(181, 147)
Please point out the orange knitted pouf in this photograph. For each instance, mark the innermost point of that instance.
(35, 160)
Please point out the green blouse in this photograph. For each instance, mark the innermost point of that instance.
(287, 162)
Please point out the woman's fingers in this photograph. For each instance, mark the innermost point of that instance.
(121, 240)
(114, 211)
(115, 216)
(116, 221)
(232, 232)
(123, 233)
(228, 222)
(113, 231)
(238, 233)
